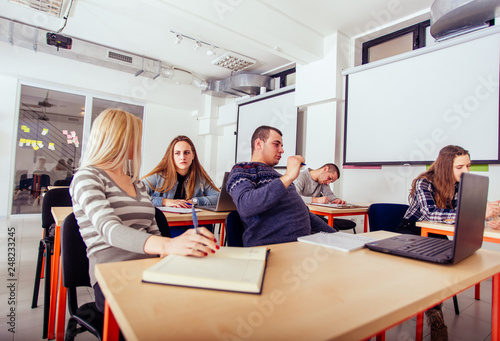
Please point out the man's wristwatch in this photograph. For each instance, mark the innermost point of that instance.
(195, 201)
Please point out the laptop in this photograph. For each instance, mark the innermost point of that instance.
(469, 229)
(224, 203)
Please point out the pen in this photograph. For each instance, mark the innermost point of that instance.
(195, 220)
(302, 164)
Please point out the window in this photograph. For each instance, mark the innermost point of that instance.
(404, 40)
(285, 78)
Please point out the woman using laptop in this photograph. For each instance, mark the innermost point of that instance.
(433, 197)
(113, 210)
(179, 180)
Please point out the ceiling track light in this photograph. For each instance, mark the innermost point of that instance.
(178, 39)
(211, 51)
(197, 43)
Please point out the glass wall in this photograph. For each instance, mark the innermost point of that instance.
(49, 141)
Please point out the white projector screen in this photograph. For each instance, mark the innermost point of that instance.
(278, 111)
(404, 112)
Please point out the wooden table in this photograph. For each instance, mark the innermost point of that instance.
(309, 293)
(490, 235)
(204, 217)
(331, 212)
(57, 290)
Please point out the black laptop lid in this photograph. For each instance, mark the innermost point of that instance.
(471, 209)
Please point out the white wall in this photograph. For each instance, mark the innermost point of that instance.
(162, 120)
(9, 90)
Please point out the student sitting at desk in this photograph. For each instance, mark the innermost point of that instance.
(113, 210)
(433, 197)
(179, 180)
(433, 194)
(313, 185)
(268, 203)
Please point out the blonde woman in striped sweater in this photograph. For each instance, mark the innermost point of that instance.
(113, 209)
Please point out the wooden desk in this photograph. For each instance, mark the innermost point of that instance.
(331, 212)
(309, 292)
(204, 217)
(490, 235)
(57, 291)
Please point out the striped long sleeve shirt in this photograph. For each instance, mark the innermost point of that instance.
(113, 224)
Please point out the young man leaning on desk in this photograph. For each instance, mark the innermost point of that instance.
(269, 206)
(313, 185)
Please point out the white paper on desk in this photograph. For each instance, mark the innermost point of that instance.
(176, 209)
(347, 205)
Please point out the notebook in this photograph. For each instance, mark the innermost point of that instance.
(239, 269)
(339, 240)
(225, 202)
(469, 229)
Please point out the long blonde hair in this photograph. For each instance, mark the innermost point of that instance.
(166, 169)
(114, 134)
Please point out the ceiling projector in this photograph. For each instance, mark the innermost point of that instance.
(59, 41)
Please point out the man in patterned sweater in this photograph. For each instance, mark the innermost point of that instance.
(269, 206)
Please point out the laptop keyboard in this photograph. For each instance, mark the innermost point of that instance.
(428, 246)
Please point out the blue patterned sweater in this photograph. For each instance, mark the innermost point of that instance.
(271, 213)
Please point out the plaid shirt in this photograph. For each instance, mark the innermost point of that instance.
(423, 206)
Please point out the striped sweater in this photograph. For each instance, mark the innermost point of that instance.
(114, 225)
(270, 213)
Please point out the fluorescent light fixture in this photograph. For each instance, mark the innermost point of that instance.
(233, 61)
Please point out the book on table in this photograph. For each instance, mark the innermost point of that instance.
(230, 269)
(342, 241)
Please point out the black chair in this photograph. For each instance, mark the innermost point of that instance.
(64, 182)
(344, 224)
(40, 181)
(162, 223)
(54, 197)
(387, 217)
(234, 229)
(75, 273)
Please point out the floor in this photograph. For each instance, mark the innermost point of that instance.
(473, 323)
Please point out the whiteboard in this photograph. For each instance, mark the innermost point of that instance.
(278, 111)
(406, 111)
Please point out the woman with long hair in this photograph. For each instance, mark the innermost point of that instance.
(433, 197)
(179, 180)
(113, 210)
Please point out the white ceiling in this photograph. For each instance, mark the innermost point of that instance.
(276, 33)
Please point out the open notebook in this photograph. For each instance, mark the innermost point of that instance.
(229, 269)
(339, 240)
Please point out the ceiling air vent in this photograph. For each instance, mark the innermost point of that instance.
(233, 61)
(52, 7)
(120, 57)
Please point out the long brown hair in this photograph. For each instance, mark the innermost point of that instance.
(166, 169)
(440, 173)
